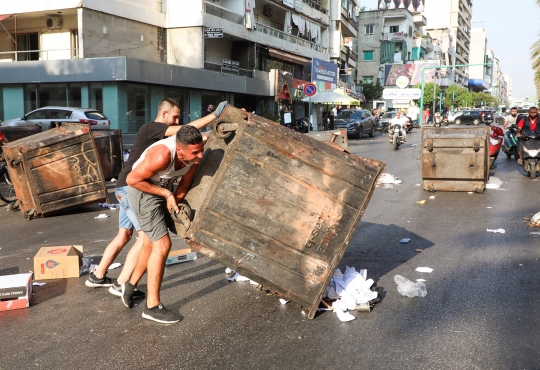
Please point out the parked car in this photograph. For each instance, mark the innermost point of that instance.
(452, 117)
(44, 116)
(475, 117)
(385, 120)
(358, 122)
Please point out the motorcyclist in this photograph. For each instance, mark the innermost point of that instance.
(399, 119)
(529, 122)
(509, 121)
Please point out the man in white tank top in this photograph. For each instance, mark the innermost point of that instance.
(151, 197)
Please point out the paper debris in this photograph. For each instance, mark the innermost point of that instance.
(414, 144)
(386, 178)
(470, 192)
(35, 283)
(536, 218)
(228, 270)
(421, 201)
(489, 207)
(283, 301)
(114, 266)
(418, 185)
(102, 215)
(418, 250)
(113, 180)
(424, 269)
(496, 231)
(494, 183)
(432, 197)
(420, 279)
(405, 241)
(534, 234)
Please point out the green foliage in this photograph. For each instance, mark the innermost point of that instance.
(462, 97)
(479, 99)
(428, 94)
(372, 91)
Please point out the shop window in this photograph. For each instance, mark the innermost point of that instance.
(138, 107)
(74, 95)
(368, 55)
(368, 79)
(96, 96)
(394, 29)
(182, 98)
(210, 98)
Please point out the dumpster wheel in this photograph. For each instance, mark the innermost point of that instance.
(218, 129)
(182, 219)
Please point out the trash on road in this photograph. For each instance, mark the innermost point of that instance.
(496, 231)
(114, 266)
(418, 250)
(15, 291)
(102, 215)
(421, 201)
(432, 197)
(409, 288)
(418, 185)
(386, 178)
(181, 255)
(405, 241)
(35, 283)
(111, 206)
(283, 301)
(420, 279)
(113, 180)
(489, 207)
(534, 234)
(424, 269)
(60, 262)
(536, 218)
(494, 183)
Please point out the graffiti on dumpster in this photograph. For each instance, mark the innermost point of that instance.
(324, 231)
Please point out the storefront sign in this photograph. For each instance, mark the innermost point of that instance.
(392, 72)
(401, 94)
(289, 3)
(230, 66)
(401, 101)
(323, 71)
(213, 33)
(402, 82)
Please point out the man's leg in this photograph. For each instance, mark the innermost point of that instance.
(131, 260)
(156, 267)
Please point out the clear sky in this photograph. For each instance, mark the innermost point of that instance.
(511, 27)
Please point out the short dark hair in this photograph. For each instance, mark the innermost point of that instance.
(167, 104)
(188, 135)
(533, 108)
(513, 108)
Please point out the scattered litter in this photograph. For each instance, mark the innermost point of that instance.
(418, 185)
(432, 197)
(114, 266)
(494, 183)
(470, 192)
(496, 231)
(102, 215)
(303, 313)
(228, 270)
(521, 264)
(421, 201)
(424, 269)
(112, 207)
(534, 234)
(386, 178)
(283, 301)
(113, 180)
(35, 283)
(420, 279)
(405, 241)
(93, 268)
(536, 218)
(414, 144)
(386, 186)
(409, 288)
(489, 207)
(238, 277)
(418, 250)
(532, 221)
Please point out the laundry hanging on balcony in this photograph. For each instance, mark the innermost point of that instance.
(249, 15)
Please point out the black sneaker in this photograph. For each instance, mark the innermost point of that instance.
(160, 314)
(116, 289)
(94, 282)
(127, 294)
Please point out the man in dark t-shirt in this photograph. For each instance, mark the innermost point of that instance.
(165, 124)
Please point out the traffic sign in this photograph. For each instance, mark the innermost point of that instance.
(310, 89)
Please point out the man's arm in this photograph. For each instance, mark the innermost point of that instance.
(201, 122)
(185, 183)
(157, 159)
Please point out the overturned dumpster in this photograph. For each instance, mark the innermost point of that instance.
(109, 147)
(455, 159)
(55, 170)
(276, 206)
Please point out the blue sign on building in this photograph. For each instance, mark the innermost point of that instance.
(323, 71)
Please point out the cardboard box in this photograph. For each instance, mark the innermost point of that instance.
(15, 291)
(182, 255)
(58, 262)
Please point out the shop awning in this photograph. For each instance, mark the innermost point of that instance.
(4, 16)
(287, 56)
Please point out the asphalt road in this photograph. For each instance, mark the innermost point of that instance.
(481, 310)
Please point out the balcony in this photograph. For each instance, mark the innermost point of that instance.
(27, 55)
(316, 4)
(217, 68)
(224, 13)
(290, 38)
(419, 20)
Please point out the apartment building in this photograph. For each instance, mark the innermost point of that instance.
(453, 18)
(480, 76)
(509, 89)
(123, 57)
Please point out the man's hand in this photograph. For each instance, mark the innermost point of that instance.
(217, 112)
(171, 204)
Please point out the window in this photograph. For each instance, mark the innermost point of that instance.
(394, 29)
(356, 115)
(40, 114)
(368, 55)
(27, 41)
(368, 79)
(59, 114)
(410, 31)
(369, 29)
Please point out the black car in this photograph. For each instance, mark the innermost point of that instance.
(358, 122)
(475, 117)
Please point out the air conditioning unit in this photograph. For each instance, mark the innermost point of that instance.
(267, 11)
(54, 23)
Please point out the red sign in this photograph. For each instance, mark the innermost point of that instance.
(310, 89)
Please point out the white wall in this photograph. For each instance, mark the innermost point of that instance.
(180, 15)
(185, 47)
(438, 13)
(55, 40)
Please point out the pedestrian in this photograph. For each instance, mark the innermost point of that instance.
(208, 110)
(282, 112)
(164, 125)
(333, 115)
(152, 198)
(425, 116)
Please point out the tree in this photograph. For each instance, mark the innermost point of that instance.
(428, 95)
(462, 97)
(480, 98)
(372, 91)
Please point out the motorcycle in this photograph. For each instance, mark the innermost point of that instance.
(511, 150)
(529, 152)
(496, 140)
(441, 121)
(7, 192)
(396, 136)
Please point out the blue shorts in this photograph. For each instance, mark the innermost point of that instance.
(126, 217)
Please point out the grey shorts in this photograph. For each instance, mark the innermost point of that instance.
(152, 214)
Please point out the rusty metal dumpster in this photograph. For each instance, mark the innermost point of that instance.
(455, 159)
(336, 138)
(109, 148)
(55, 170)
(13, 133)
(277, 206)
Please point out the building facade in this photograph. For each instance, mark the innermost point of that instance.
(123, 57)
